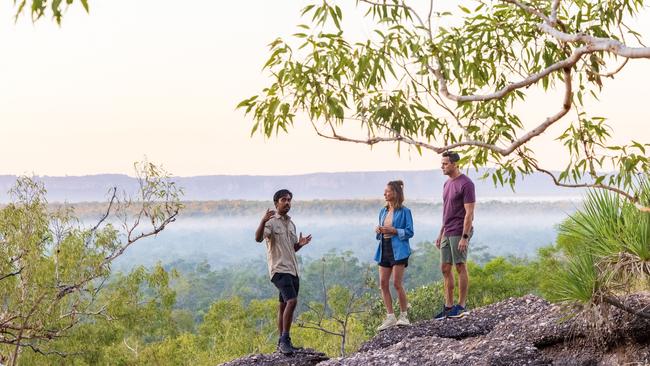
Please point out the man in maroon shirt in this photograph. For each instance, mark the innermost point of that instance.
(458, 200)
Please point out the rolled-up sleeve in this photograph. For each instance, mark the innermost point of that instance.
(406, 232)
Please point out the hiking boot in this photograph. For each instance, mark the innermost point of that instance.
(293, 346)
(389, 322)
(444, 313)
(403, 319)
(285, 347)
(457, 311)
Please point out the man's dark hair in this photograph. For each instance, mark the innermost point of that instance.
(281, 193)
(452, 155)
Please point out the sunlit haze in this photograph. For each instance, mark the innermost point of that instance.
(162, 78)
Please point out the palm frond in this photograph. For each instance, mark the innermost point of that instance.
(578, 280)
(596, 228)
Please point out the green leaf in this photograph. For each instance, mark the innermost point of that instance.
(246, 102)
(306, 9)
(335, 18)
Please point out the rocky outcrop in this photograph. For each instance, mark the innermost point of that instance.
(518, 331)
(305, 357)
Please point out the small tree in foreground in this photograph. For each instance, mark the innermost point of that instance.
(338, 312)
(53, 269)
(438, 81)
(604, 252)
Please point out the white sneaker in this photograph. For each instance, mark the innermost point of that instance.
(403, 319)
(389, 322)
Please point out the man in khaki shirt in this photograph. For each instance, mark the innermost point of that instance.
(282, 243)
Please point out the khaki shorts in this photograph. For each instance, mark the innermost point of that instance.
(449, 252)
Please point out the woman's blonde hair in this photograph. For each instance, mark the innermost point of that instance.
(398, 187)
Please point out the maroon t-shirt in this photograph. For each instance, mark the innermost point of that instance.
(456, 193)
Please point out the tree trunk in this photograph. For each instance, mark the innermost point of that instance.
(615, 302)
(13, 360)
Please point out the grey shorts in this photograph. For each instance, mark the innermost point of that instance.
(449, 252)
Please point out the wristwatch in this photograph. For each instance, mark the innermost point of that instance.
(465, 236)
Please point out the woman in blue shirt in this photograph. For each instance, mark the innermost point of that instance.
(393, 233)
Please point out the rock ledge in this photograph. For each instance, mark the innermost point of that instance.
(518, 331)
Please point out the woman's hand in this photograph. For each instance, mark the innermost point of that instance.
(387, 230)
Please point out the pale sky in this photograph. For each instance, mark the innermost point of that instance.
(161, 79)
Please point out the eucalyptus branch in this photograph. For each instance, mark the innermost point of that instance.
(507, 59)
(434, 97)
(532, 79)
(101, 312)
(132, 239)
(321, 314)
(554, 9)
(618, 69)
(11, 274)
(310, 325)
(629, 197)
(52, 352)
(134, 350)
(429, 20)
(592, 45)
(634, 34)
(324, 286)
(113, 191)
(596, 44)
(566, 106)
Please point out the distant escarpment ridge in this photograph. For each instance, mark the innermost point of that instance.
(420, 185)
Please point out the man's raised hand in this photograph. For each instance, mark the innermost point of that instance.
(267, 216)
(304, 241)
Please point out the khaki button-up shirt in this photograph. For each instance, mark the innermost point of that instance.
(280, 235)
